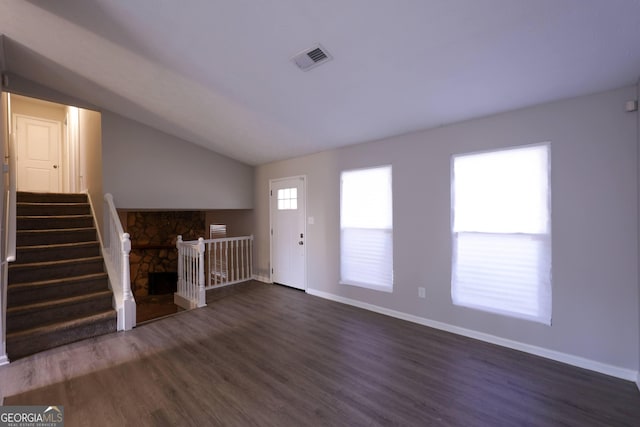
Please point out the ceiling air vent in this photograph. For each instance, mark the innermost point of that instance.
(311, 58)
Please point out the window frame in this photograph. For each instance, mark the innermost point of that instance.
(544, 287)
(360, 283)
(288, 202)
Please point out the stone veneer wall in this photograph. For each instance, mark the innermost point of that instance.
(153, 242)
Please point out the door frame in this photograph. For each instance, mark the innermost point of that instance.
(272, 202)
(62, 166)
(71, 150)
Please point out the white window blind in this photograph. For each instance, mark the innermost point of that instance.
(501, 231)
(366, 228)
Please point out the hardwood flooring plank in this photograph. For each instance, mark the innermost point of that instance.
(273, 356)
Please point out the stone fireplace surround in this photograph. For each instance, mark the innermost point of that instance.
(154, 232)
(153, 242)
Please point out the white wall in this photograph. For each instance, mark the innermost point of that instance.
(638, 142)
(594, 220)
(4, 144)
(90, 144)
(37, 108)
(147, 169)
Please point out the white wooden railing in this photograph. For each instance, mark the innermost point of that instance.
(11, 203)
(9, 236)
(191, 292)
(116, 248)
(228, 261)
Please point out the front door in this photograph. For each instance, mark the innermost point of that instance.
(38, 148)
(288, 233)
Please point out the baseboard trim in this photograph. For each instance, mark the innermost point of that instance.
(4, 360)
(603, 368)
(261, 279)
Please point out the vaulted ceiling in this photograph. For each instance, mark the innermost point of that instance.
(218, 73)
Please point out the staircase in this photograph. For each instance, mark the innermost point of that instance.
(58, 290)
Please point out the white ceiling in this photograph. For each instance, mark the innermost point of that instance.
(218, 73)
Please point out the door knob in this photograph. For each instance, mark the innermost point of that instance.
(55, 166)
(301, 242)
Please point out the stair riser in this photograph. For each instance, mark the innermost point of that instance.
(52, 209)
(23, 274)
(50, 223)
(27, 345)
(23, 197)
(55, 253)
(71, 288)
(28, 238)
(57, 313)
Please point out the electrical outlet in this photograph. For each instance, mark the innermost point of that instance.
(422, 292)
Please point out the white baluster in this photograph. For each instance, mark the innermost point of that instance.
(215, 270)
(226, 261)
(235, 261)
(180, 266)
(242, 259)
(251, 257)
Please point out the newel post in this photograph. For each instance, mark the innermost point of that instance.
(3, 328)
(202, 294)
(180, 266)
(129, 308)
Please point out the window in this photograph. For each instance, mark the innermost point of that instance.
(501, 227)
(366, 228)
(287, 199)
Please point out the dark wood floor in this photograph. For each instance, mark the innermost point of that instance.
(154, 306)
(273, 356)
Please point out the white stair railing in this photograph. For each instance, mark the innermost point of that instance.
(191, 292)
(116, 248)
(11, 204)
(9, 250)
(230, 260)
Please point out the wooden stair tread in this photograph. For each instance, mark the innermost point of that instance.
(38, 283)
(52, 327)
(69, 244)
(57, 230)
(36, 197)
(54, 263)
(52, 203)
(49, 235)
(58, 302)
(55, 221)
(58, 245)
(71, 216)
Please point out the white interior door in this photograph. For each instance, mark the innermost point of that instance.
(38, 148)
(288, 233)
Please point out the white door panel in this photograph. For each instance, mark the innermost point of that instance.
(288, 240)
(38, 151)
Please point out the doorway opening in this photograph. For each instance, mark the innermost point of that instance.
(45, 138)
(288, 231)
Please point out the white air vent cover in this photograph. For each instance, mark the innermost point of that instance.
(311, 58)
